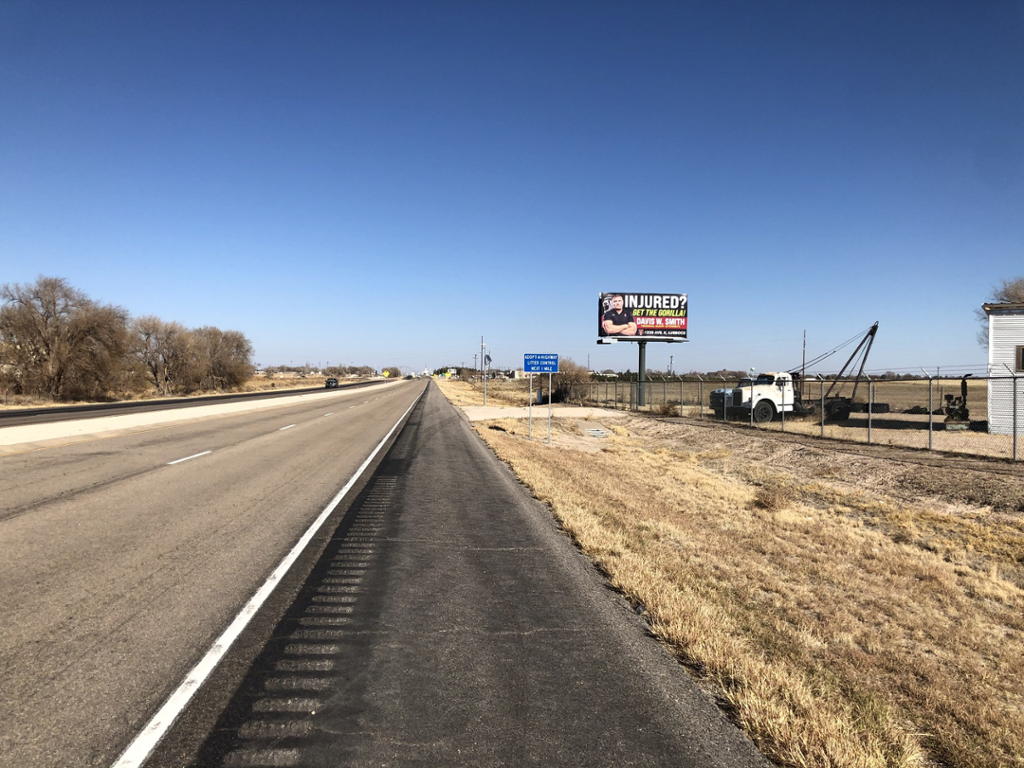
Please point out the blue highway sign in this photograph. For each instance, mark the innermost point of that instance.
(540, 363)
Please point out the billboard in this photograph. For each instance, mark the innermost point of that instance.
(641, 316)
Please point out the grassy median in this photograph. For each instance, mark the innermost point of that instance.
(837, 621)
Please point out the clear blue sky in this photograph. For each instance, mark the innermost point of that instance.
(385, 182)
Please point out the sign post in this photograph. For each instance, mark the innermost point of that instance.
(540, 363)
(551, 391)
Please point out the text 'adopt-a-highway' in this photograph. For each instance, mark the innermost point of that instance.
(338, 578)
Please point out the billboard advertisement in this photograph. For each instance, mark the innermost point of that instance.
(641, 316)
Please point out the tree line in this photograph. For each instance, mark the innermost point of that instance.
(329, 370)
(59, 344)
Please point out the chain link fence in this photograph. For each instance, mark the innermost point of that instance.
(981, 416)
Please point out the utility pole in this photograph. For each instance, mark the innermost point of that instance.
(483, 363)
(670, 359)
(803, 366)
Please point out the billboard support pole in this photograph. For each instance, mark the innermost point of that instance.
(642, 377)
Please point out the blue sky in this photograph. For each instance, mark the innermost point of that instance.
(384, 183)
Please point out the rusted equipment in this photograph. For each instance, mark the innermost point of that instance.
(957, 414)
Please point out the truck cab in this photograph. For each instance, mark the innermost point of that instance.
(766, 396)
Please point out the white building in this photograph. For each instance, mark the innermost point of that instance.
(1005, 359)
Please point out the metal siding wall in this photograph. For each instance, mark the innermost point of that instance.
(1006, 333)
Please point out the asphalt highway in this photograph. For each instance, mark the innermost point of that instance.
(17, 416)
(125, 557)
(448, 622)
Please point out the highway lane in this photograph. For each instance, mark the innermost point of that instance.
(449, 622)
(121, 566)
(17, 416)
(33, 480)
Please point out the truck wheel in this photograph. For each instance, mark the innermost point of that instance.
(837, 411)
(764, 411)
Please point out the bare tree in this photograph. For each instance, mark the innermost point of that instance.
(10, 379)
(1007, 292)
(100, 366)
(60, 343)
(220, 359)
(163, 350)
(570, 383)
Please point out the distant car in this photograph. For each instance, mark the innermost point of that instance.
(331, 383)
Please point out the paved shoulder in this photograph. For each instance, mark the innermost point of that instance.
(450, 623)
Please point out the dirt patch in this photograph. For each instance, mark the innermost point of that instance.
(883, 470)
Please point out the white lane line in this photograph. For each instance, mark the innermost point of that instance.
(282, 429)
(147, 739)
(329, 414)
(193, 456)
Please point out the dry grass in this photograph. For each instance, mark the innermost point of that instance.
(911, 432)
(773, 497)
(499, 392)
(839, 626)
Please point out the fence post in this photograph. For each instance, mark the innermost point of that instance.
(784, 408)
(751, 401)
(700, 393)
(822, 404)
(871, 404)
(1014, 426)
(725, 402)
(931, 407)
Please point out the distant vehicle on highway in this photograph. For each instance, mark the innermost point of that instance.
(331, 383)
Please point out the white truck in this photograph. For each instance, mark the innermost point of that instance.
(767, 396)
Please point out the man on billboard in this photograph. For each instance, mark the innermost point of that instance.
(617, 321)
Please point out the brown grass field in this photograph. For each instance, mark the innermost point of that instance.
(847, 605)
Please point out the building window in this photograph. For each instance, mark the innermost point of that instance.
(1018, 360)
